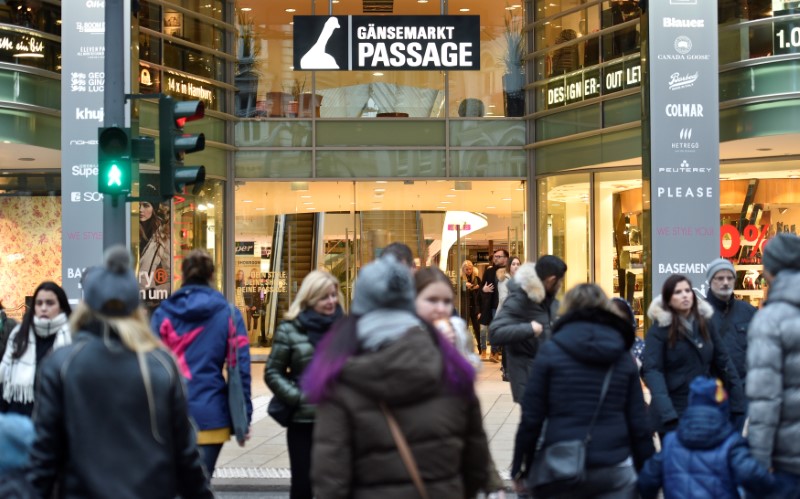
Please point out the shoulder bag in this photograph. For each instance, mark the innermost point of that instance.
(562, 465)
(405, 452)
(280, 411)
(236, 402)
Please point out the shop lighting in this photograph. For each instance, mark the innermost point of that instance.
(506, 199)
(260, 209)
(246, 9)
(377, 74)
(309, 202)
(247, 200)
(450, 196)
(490, 207)
(463, 10)
(291, 10)
(446, 202)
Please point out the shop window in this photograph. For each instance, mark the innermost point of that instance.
(618, 242)
(563, 223)
(30, 236)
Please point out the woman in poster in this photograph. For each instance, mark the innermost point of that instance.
(154, 246)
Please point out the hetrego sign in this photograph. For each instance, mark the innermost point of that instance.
(355, 43)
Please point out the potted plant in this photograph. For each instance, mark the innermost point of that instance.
(514, 77)
(296, 90)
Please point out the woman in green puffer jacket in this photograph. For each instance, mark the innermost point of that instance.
(309, 317)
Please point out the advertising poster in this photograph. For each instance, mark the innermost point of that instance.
(82, 86)
(249, 296)
(154, 271)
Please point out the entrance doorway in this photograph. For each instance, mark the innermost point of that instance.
(284, 230)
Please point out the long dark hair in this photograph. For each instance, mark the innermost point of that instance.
(667, 290)
(21, 340)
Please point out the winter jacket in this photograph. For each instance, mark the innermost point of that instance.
(354, 454)
(773, 376)
(705, 458)
(13, 485)
(527, 301)
(585, 343)
(291, 353)
(471, 298)
(668, 371)
(101, 433)
(195, 323)
(731, 318)
(489, 300)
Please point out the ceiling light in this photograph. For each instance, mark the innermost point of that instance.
(246, 9)
(381, 182)
(463, 10)
(309, 202)
(450, 195)
(490, 207)
(506, 199)
(377, 74)
(260, 209)
(422, 1)
(311, 208)
(446, 202)
(305, 196)
(379, 190)
(291, 10)
(291, 23)
(247, 200)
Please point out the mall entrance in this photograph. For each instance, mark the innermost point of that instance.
(284, 230)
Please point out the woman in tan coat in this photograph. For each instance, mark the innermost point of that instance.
(384, 355)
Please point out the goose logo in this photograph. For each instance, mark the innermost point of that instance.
(316, 57)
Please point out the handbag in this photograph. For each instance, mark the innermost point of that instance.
(236, 402)
(562, 465)
(280, 411)
(405, 452)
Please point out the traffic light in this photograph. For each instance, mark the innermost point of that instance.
(114, 160)
(174, 145)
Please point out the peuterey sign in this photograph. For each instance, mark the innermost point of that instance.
(386, 43)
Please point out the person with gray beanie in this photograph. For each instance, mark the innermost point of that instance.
(731, 316)
(111, 417)
(382, 368)
(773, 368)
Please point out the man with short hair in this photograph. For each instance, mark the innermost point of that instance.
(773, 368)
(527, 316)
(731, 316)
(490, 298)
(402, 253)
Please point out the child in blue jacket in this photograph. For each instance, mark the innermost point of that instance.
(705, 457)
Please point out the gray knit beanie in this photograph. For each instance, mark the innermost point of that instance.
(782, 252)
(112, 288)
(717, 265)
(384, 283)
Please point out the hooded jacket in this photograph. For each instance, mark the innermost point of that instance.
(354, 454)
(706, 457)
(101, 433)
(731, 318)
(668, 371)
(585, 343)
(527, 301)
(773, 376)
(194, 323)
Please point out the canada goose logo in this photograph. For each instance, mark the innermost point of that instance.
(316, 57)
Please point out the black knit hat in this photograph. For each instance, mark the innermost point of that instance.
(112, 289)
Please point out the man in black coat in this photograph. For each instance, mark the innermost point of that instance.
(731, 316)
(526, 319)
(490, 296)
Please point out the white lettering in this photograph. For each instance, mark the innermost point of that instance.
(685, 192)
(684, 110)
(674, 22)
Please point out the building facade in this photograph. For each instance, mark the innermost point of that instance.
(538, 152)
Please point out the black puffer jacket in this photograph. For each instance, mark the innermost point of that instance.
(668, 371)
(527, 301)
(732, 318)
(100, 434)
(565, 386)
(292, 351)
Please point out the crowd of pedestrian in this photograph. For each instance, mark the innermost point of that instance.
(381, 402)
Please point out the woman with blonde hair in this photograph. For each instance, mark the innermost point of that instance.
(589, 350)
(315, 308)
(111, 416)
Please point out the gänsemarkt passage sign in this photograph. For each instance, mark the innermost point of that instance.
(363, 43)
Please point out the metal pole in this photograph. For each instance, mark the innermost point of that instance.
(114, 210)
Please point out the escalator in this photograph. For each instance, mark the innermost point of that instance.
(293, 259)
(380, 228)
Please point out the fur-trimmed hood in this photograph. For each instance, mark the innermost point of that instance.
(528, 280)
(663, 317)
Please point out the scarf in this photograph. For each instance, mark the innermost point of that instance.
(383, 326)
(18, 375)
(316, 324)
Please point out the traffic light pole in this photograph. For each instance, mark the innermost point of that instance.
(115, 211)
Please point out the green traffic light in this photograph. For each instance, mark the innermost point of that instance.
(114, 176)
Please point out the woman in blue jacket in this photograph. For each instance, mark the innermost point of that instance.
(195, 323)
(681, 345)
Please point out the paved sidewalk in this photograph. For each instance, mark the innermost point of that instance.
(263, 464)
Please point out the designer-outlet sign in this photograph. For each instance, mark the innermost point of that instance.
(362, 43)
